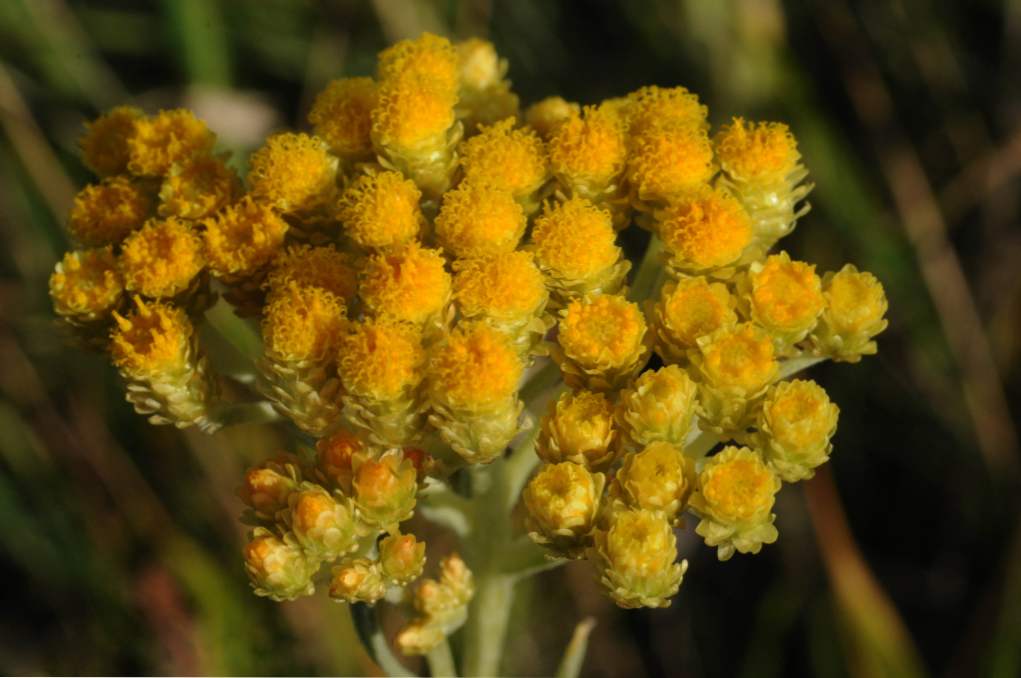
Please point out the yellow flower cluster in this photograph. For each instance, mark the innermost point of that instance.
(421, 252)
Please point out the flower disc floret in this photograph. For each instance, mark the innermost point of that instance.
(506, 287)
(303, 323)
(666, 161)
(479, 221)
(409, 283)
(86, 284)
(589, 150)
(342, 116)
(688, 309)
(738, 358)
(412, 116)
(199, 188)
(162, 258)
(104, 144)
(575, 240)
(505, 157)
(653, 106)
(381, 360)
(476, 368)
(152, 340)
(427, 58)
(604, 330)
(292, 172)
(704, 229)
(243, 238)
(757, 152)
(105, 213)
(324, 267)
(380, 209)
(165, 139)
(786, 296)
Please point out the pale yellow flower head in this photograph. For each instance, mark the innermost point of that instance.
(653, 106)
(266, 487)
(303, 323)
(580, 428)
(359, 580)
(402, 558)
(408, 283)
(480, 65)
(757, 152)
(105, 213)
(278, 567)
(666, 161)
(589, 150)
(797, 421)
(704, 229)
(505, 287)
(575, 240)
(380, 210)
(479, 221)
(786, 296)
(198, 188)
(505, 157)
(855, 301)
(167, 138)
(323, 266)
(659, 406)
(243, 238)
(659, 478)
(547, 115)
(151, 341)
(104, 144)
(562, 502)
(739, 359)
(334, 457)
(162, 258)
(384, 488)
(323, 524)
(737, 487)
(688, 309)
(86, 284)
(604, 330)
(476, 368)
(342, 116)
(381, 360)
(292, 172)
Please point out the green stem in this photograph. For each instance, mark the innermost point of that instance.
(371, 635)
(441, 661)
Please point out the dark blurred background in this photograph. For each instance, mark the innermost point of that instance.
(119, 544)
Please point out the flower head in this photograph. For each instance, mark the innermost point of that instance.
(152, 340)
(603, 332)
(243, 238)
(278, 567)
(335, 455)
(786, 296)
(476, 368)
(402, 558)
(757, 152)
(292, 172)
(704, 229)
(198, 188)
(408, 283)
(505, 157)
(479, 221)
(855, 312)
(380, 210)
(580, 428)
(323, 267)
(797, 421)
(659, 478)
(412, 115)
(738, 358)
(653, 106)
(105, 213)
(359, 580)
(384, 489)
(427, 58)
(505, 287)
(659, 406)
(86, 284)
(381, 360)
(267, 486)
(104, 144)
(162, 258)
(342, 116)
(666, 161)
(688, 309)
(323, 524)
(169, 137)
(303, 323)
(589, 150)
(575, 240)
(562, 502)
(547, 115)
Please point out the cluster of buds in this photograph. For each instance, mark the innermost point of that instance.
(419, 252)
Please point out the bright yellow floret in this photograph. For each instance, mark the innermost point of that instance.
(505, 157)
(705, 229)
(380, 209)
(547, 115)
(476, 368)
(589, 151)
(737, 486)
(412, 116)
(580, 428)
(162, 258)
(562, 502)
(169, 137)
(659, 478)
(855, 301)
(105, 141)
(324, 267)
(479, 221)
(575, 240)
(738, 358)
(427, 58)
(408, 283)
(152, 340)
(243, 238)
(796, 423)
(381, 360)
(104, 213)
(665, 161)
(604, 330)
(757, 152)
(86, 284)
(342, 116)
(292, 172)
(198, 188)
(688, 309)
(303, 324)
(664, 106)
(786, 296)
(506, 287)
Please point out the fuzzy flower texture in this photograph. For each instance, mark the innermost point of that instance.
(414, 259)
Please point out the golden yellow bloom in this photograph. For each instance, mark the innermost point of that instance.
(384, 489)
(659, 406)
(412, 116)
(167, 138)
(197, 189)
(267, 486)
(507, 287)
(278, 567)
(323, 524)
(505, 157)
(704, 230)
(323, 267)
(786, 297)
(104, 144)
(666, 161)
(292, 172)
(659, 478)
(243, 239)
(686, 310)
(408, 283)
(855, 313)
(739, 358)
(736, 491)
(86, 285)
(796, 423)
(587, 153)
(380, 209)
(402, 558)
(381, 360)
(105, 213)
(602, 342)
(303, 324)
(428, 58)
(547, 115)
(334, 458)
(479, 221)
(162, 258)
(562, 502)
(151, 340)
(580, 428)
(357, 581)
(475, 369)
(653, 106)
(635, 554)
(757, 152)
(342, 116)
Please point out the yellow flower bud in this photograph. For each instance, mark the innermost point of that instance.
(635, 554)
(408, 283)
(292, 172)
(442, 606)
(659, 406)
(785, 298)
(687, 310)
(562, 502)
(324, 267)
(104, 144)
(601, 343)
(652, 106)
(504, 157)
(479, 221)
(161, 259)
(165, 139)
(384, 489)
(659, 478)
(358, 581)
(380, 210)
(588, 152)
(734, 365)
(242, 239)
(105, 213)
(402, 558)
(86, 285)
(485, 94)
(796, 423)
(547, 115)
(266, 487)
(323, 524)
(703, 230)
(342, 116)
(736, 491)
(335, 459)
(854, 314)
(278, 567)
(580, 428)
(199, 188)
(664, 162)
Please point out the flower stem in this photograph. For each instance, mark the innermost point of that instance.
(441, 661)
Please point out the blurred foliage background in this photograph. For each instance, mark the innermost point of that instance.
(119, 544)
